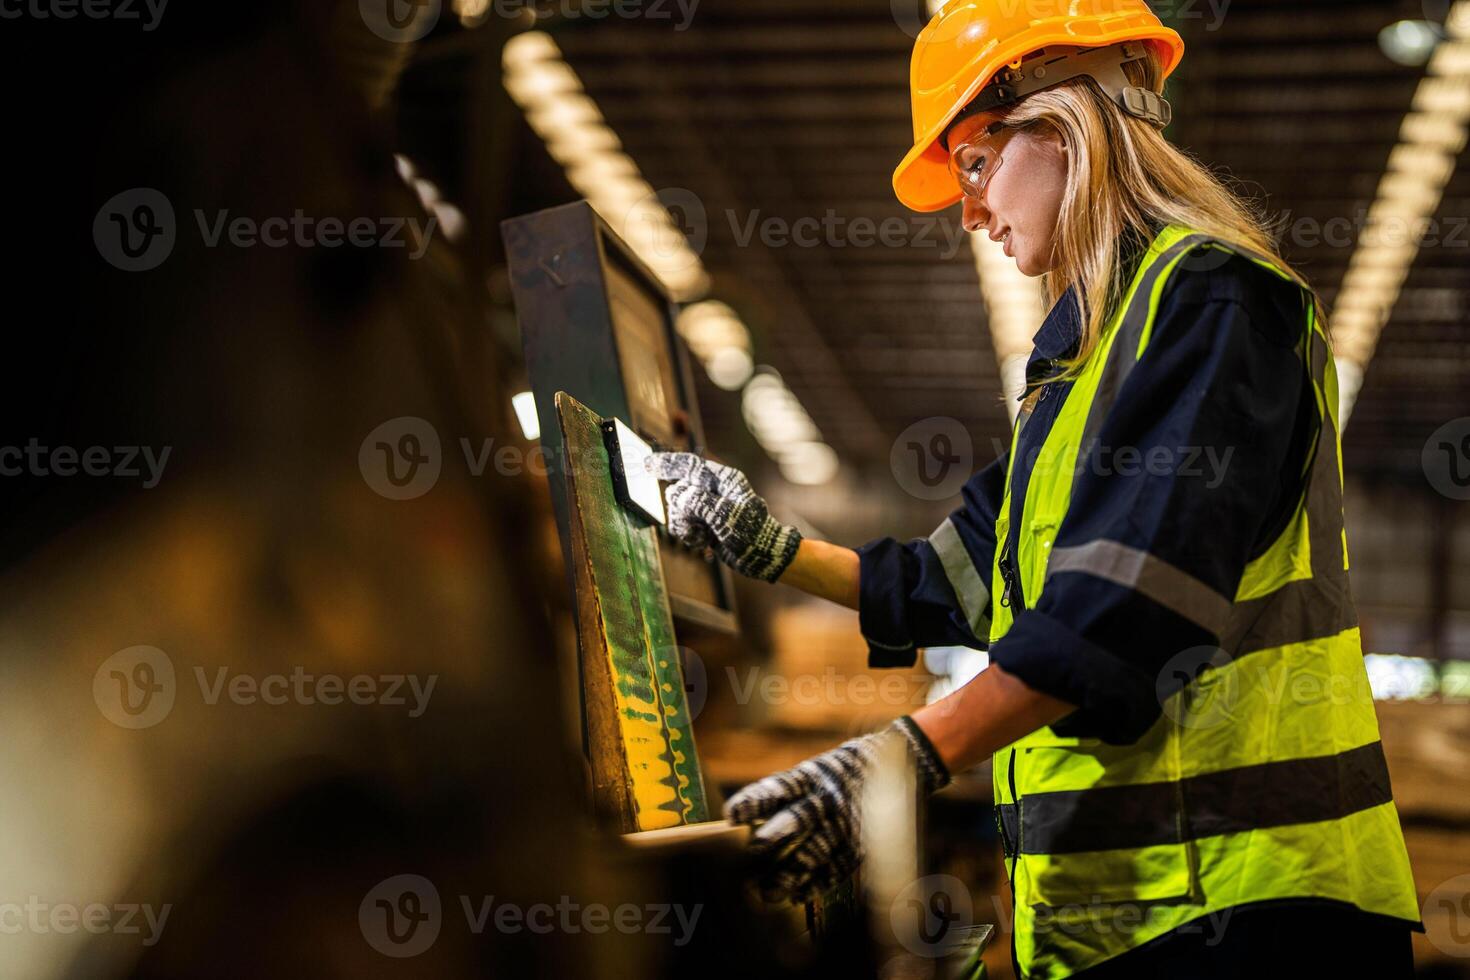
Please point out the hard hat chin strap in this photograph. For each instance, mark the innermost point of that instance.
(1054, 65)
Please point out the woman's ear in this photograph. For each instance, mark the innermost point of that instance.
(1051, 135)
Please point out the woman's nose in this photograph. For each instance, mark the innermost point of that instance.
(974, 216)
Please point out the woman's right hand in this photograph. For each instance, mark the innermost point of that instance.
(806, 818)
(712, 503)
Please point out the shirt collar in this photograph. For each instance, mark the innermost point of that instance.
(1059, 337)
(1061, 332)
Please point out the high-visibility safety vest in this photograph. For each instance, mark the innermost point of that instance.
(1263, 778)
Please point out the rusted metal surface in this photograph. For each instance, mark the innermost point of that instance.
(645, 769)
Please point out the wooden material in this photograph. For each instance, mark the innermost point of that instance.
(640, 744)
(719, 833)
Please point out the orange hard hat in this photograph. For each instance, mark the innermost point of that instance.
(969, 42)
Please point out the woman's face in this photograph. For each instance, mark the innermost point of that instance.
(1023, 197)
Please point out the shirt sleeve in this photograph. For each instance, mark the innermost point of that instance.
(933, 591)
(1196, 469)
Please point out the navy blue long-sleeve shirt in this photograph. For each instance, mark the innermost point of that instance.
(1199, 463)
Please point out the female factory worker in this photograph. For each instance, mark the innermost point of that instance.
(1188, 775)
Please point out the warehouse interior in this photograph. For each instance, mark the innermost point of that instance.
(742, 154)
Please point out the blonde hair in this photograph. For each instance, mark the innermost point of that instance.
(1124, 181)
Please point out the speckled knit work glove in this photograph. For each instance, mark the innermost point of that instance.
(711, 501)
(806, 818)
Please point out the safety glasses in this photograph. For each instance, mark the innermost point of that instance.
(975, 161)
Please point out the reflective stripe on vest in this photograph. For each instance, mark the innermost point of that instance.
(1243, 790)
(1325, 787)
(1155, 578)
(964, 577)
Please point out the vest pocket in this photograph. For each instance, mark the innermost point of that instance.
(1039, 535)
(1161, 873)
(1104, 825)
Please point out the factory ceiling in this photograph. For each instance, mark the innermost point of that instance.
(774, 126)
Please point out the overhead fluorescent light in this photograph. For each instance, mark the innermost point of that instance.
(1409, 193)
(577, 136)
